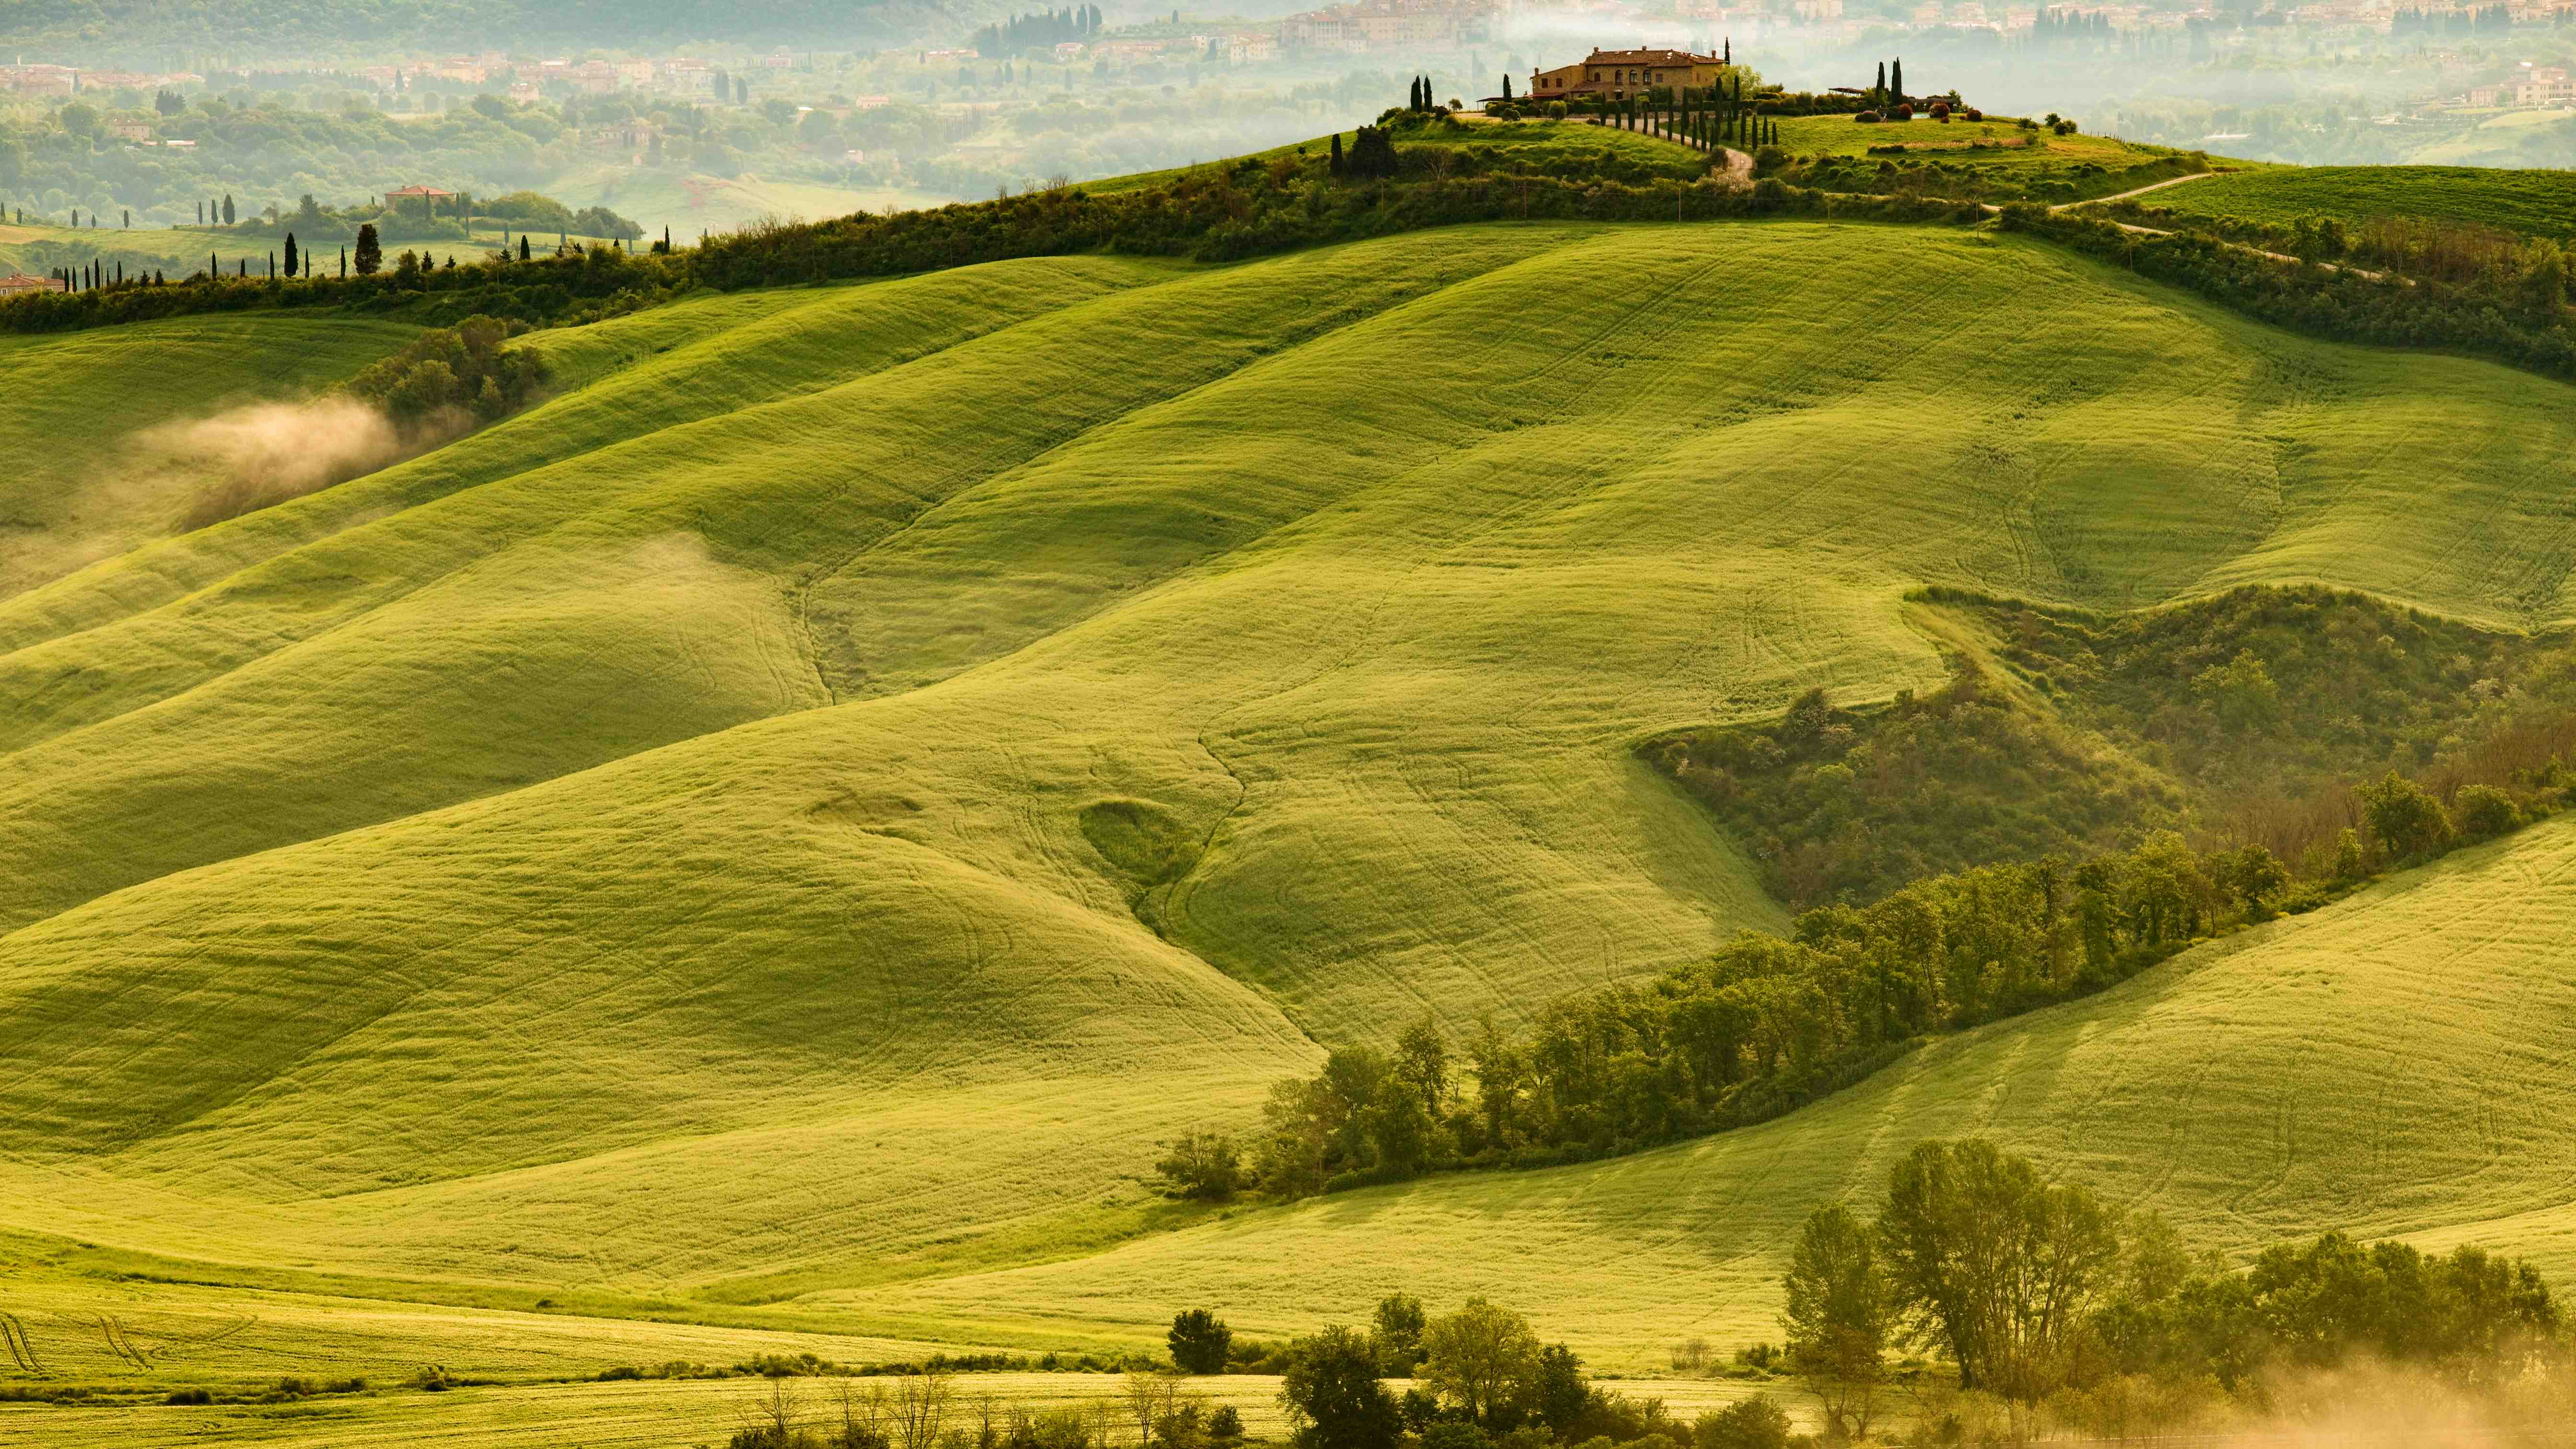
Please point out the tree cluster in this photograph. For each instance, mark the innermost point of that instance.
(2038, 1291)
(1006, 38)
(1482, 1379)
(1764, 1025)
(461, 369)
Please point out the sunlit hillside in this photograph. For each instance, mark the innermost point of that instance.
(778, 832)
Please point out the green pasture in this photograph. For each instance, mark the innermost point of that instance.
(777, 833)
(1537, 145)
(2533, 202)
(1831, 152)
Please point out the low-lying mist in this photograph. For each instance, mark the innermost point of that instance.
(258, 455)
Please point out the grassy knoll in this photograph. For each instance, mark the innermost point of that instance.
(1543, 147)
(72, 405)
(2388, 1065)
(2533, 203)
(785, 826)
(1832, 152)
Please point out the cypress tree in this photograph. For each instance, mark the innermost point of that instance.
(290, 254)
(523, 246)
(1896, 82)
(1334, 164)
(1878, 92)
(228, 208)
(344, 264)
(1507, 85)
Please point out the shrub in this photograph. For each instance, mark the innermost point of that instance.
(190, 1396)
(1556, 110)
(1198, 1341)
(2402, 816)
(1975, 115)
(1332, 1394)
(1905, 110)
(1754, 1423)
(1225, 1426)
(1202, 1165)
(1453, 1434)
(2485, 811)
(1866, 118)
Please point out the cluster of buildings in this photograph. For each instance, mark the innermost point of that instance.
(67, 80)
(2533, 86)
(1391, 25)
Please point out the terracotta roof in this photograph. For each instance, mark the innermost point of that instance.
(1647, 57)
(21, 282)
(420, 191)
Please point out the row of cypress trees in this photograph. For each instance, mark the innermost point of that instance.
(1713, 117)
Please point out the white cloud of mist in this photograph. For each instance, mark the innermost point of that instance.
(259, 454)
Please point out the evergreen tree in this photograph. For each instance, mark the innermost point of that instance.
(290, 254)
(523, 246)
(228, 208)
(1334, 165)
(1878, 92)
(371, 252)
(1896, 81)
(1507, 85)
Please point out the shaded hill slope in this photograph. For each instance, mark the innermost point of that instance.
(863, 764)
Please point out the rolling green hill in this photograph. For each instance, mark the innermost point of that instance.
(778, 831)
(2533, 203)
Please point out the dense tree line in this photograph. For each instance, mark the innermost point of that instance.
(1760, 1027)
(1769, 1023)
(2041, 1293)
(1005, 38)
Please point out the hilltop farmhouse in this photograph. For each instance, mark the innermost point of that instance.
(1618, 75)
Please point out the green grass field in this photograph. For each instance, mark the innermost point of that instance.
(1540, 145)
(775, 834)
(2052, 168)
(2533, 203)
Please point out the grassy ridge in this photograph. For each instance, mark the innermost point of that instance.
(2532, 203)
(1543, 146)
(840, 782)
